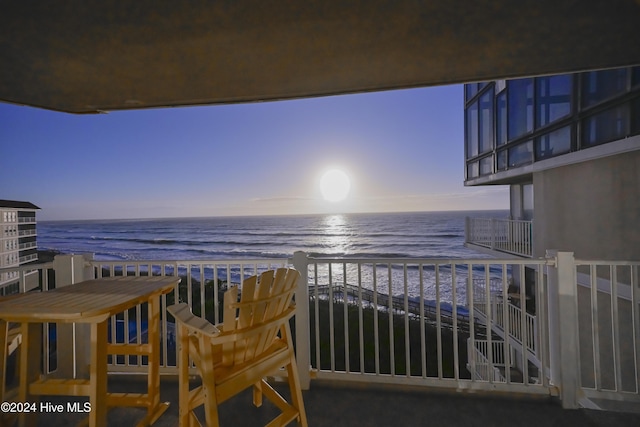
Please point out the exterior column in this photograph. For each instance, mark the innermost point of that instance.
(563, 327)
(303, 345)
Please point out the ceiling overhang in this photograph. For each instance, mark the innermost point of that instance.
(86, 57)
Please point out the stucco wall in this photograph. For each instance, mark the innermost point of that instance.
(590, 208)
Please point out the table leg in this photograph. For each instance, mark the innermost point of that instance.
(98, 375)
(30, 357)
(4, 332)
(155, 408)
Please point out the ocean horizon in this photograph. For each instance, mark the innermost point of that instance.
(353, 235)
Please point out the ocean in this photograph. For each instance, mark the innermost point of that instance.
(362, 236)
(381, 235)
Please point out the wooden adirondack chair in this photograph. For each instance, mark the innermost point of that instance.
(253, 342)
(10, 343)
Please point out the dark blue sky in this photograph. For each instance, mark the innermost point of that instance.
(403, 151)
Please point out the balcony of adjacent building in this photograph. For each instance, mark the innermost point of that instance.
(500, 236)
(416, 339)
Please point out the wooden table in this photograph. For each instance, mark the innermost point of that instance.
(92, 302)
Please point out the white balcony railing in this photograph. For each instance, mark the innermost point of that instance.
(29, 245)
(28, 258)
(514, 327)
(479, 364)
(504, 235)
(403, 321)
(412, 321)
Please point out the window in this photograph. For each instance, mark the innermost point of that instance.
(470, 90)
(486, 122)
(598, 86)
(554, 143)
(486, 165)
(635, 79)
(472, 170)
(472, 130)
(520, 105)
(553, 99)
(521, 155)
(606, 126)
(501, 119)
(502, 160)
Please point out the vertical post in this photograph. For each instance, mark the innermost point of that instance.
(467, 229)
(493, 233)
(563, 327)
(303, 346)
(73, 356)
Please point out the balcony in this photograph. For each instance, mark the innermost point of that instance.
(27, 233)
(374, 327)
(501, 235)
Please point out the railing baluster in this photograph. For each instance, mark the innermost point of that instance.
(595, 326)
(635, 314)
(360, 320)
(615, 317)
(454, 308)
(470, 300)
(317, 316)
(423, 343)
(407, 347)
(438, 321)
(345, 297)
(522, 327)
(392, 355)
(376, 332)
(332, 348)
(489, 322)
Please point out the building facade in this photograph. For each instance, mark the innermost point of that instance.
(18, 239)
(568, 146)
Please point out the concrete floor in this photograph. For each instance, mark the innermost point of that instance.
(328, 405)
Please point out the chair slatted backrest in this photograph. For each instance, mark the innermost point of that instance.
(261, 302)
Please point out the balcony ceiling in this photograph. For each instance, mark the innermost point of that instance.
(85, 57)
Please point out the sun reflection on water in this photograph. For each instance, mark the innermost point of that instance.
(337, 236)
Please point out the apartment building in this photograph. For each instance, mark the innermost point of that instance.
(18, 239)
(568, 147)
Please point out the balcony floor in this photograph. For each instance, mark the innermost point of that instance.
(337, 406)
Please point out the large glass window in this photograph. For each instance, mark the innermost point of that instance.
(521, 154)
(472, 170)
(486, 165)
(486, 122)
(520, 105)
(606, 126)
(554, 143)
(600, 85)
(472, 130)
(470, 90)
(501, 119)
(553, 99)
(502, 160)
